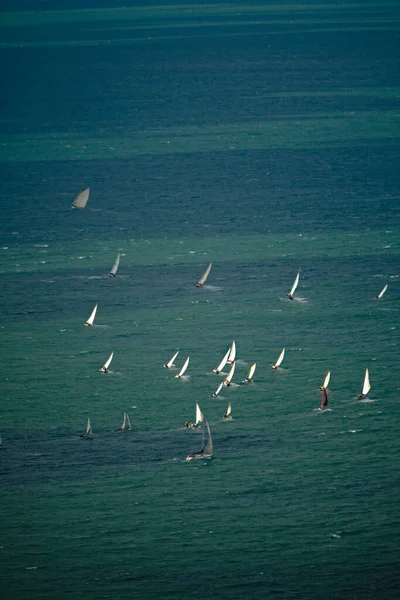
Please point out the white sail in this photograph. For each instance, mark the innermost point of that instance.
(296, 283)
(219, 388)
(382, 292)
(115, 266)
(127, 421)
(208, 450)
(229, 409)
(185, 366)
(107, 363)
(230, 375)
(92, 316)
(326, 380)
(366, 385)
(81, 199)
(199, 415)
(222, 363)
(170, 363)
(251, 372)
(280, 359)
(232, 353)
(204, 276)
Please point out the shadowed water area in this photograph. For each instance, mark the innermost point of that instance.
(262, 137)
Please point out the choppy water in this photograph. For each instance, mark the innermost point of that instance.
(264, 138)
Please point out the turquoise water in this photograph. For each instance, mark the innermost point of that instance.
(264, 138)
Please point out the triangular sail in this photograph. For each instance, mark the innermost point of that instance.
(88, 428)
(199, 415)
(185, 366)
(208, 450)
(367, 385)
(229, 409)
(92, 316)
(326, 380)
(115, 266)
(280, 358)
(230, 374)
(295, 284)
(222, 363)
(127, 421)
(251, 372)
(107, 363)
(232, 353)
(219, 388)
(204, 276)
(170, 363)
(81, 199)
(382, 291)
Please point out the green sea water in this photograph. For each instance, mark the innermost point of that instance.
(262, 137)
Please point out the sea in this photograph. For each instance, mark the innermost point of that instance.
(263, 137)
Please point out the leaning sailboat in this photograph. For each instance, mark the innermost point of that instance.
(115, 266)
(219, 388)
(170, 363)
(104, 368)
(126, 424)
(81, 199)
(326, 381)
(222, 363)
(228, 379)
(251, 373)
(90, 320)
(382, 292)
(203, 278)
(227, 415)
(294, 286)
(184, 367)
(232, 353)
(207, 451)
(366, 385)
(88, 433)
(280, 359)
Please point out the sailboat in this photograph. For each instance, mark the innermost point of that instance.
(280, 359)
(366, 386)
(184, 367)
(170, 363)
(222, 363)
(251, 373)
(325, 384)
(88, 433)
(227, 415)
(126, 425)
(294, 286)
(199, 418)
(324, 400)
(115, 266)
(104, 368)
(232, 353)
(219, 388)
(81, 199)
(203, 278)
(90, 320)
(228, 379)
(207, 451)
(382, 292)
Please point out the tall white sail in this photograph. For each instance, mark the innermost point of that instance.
(382, 292)
(90, 320)
(232, 353)
(230, 375)
(81, 199)
(107, 363)
(170, 363)
(251, 372)
(295, 284)
(219, 388)
(204, 276)
(222, 363)
(183, 369)
(199, 415)
(326, 380)
(208, 450)
(115, 266)
(229, 409)
(280, 359)
(366, 385)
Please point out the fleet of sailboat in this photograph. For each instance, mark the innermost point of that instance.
(90, 320)
(294, 287)
(88, 433)
(203, 278)
(170, 363)
(104, 368)
(184, 367)
(115, 266)
(280, 359)
(81, 199)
